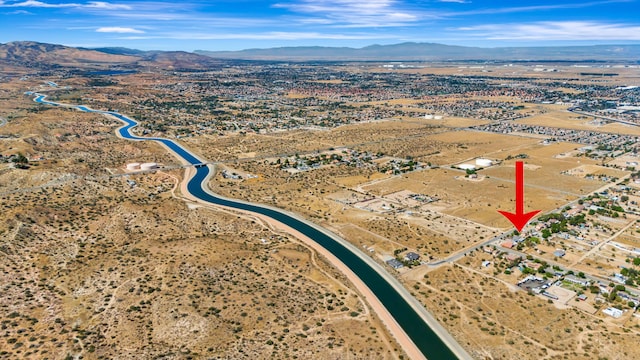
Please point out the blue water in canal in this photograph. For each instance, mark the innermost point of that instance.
(421, 334)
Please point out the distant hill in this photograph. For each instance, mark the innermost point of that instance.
(173, 59)
(31, 54)
(177, 60)
(434, 52)
(34, 54)
(118, 51)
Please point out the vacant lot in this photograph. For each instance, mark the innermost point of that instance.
(374, 136)
(475, 201)
(561, 118)
(495, 321)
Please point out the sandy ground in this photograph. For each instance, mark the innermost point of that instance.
(394, 328)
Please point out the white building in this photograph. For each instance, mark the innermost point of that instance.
(133, 166)
(483, 162)
(577, 280)
(148, 166)
(613, 312)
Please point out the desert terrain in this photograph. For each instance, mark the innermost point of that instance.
(101, 262)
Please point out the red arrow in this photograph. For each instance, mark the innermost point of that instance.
(520, 218)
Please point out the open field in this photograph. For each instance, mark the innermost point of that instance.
(500, 322)
(467, 145)
(154, 284)
(561, 118)
(475, 201)
(374, 134)
(520, 71)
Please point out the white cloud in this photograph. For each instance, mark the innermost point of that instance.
(518, 9)
(354, 13)
(89, 5)
(119, 30)
(106, 6)
(272, 35)
(33, 3)
(19, 12)
(556, 30)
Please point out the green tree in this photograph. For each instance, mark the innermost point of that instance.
(20, 159)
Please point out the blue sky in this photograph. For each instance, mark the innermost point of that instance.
(240, 24)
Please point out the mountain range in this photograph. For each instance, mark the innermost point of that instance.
(412, 51)
(29, 54)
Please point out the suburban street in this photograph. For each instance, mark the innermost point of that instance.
(496, 240)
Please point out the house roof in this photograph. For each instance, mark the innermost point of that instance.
(507, 244)
(411, 256)
(394, 263)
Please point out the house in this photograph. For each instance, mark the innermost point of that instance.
(507, 244)
(559, 253)
(613, 312)
(619, 278)
(582, 297)
(513, 257)
(394, 263)
(604, 289)
(411, 256)
(532, 265)
(574, 211)
(629, 298)
(577, 280)
(531, 283)
(559, 273)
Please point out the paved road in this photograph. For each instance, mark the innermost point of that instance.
(3, 121)
(497, 239)
(603, 243)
